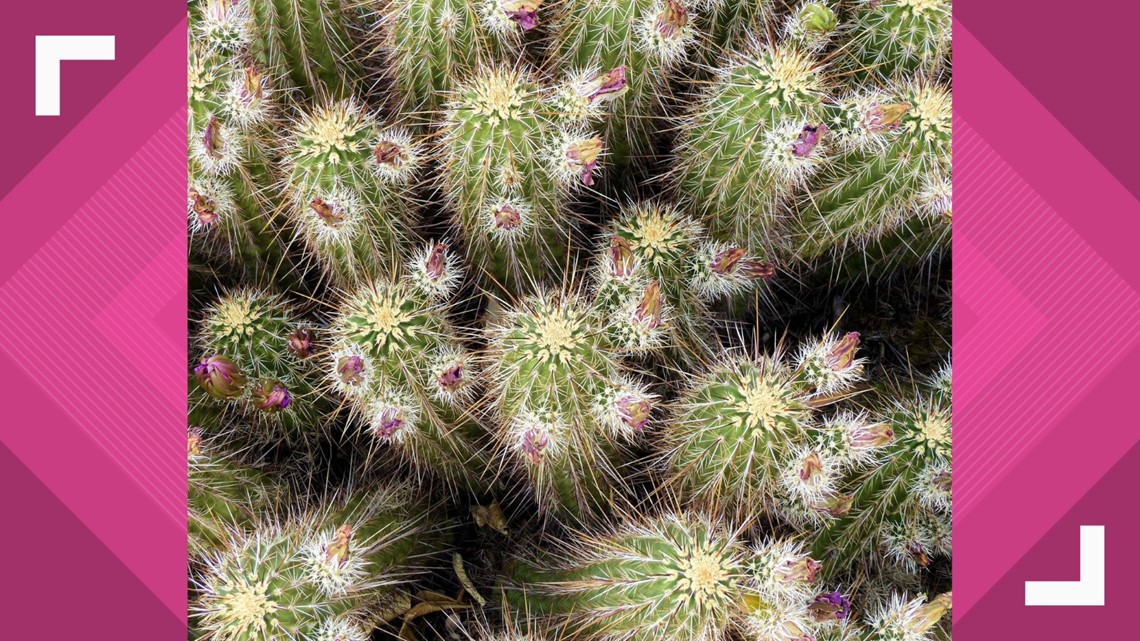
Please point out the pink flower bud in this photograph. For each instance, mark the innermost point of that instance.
(436, 263)
(671, 20)
(506, 216)
(391, 420)
(350, 369)
(650, 307)
(808, 139)
(524, 13)
(621, 257)
(391, 154)
(337, 551)
(204, 208)
(533, 443)
(608, 85)
(885, 117)
(842, 355)
(810, 466)
(271, 396)
(220, 377)
(327, 212)
(803, 570)
(634, 412)
(451, 378)
(212, 139)
(583, 156)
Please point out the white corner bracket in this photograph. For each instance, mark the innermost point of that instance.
(51, 50)
(1089, 590)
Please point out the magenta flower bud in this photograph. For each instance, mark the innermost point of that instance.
(830, 606)
(524, 13)
(608, 85)
(300, 342)
(390, 153)
(802, 570)
(871, 436)
(808, 139)
(885, 117)
(810, 466)
(271, 396)
(451, 378)
(507, 216)
(350, 369)
(944, 481)
(634, 412)
(757, 270)
(204, 208)
(726, 261)
(583, 156)
(842, 355)
(391, 420)
(212, 139)
(436, 262)
(621, 257)
(917, 553)
(671, 20)
(220, 377)
(533, 444)
(650, 307)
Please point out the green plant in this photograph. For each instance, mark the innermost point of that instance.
(896, 39)
(405, 370)
(755, 135)
(351, 190)
(564, 402)
(510, 162)
(257, 364)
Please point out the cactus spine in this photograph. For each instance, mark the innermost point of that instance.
(351, 186)
(565, 403)
(891, 182)
(256, 362)
(672, 578)
(646, 39)
(900, 508)
(229, 180)
(323, 572)
(431, 44)
(744, 435)
(510, 161)
(307, 44)
(405, 370)
(896, 39)
(754, 137)
(655, 245)
(728, 24)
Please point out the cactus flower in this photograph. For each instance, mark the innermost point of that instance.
(350, 370)
(608, 85)
(272, 396)
(390, 422)
(672, 20)
(830, 606)
(842, 354)
(804, 570)
(582, 156)
(806, 143)
(300, 342)
(534, 442)
(524, 13)
(650, 307)
(390, 153)
(885, 117)
(337, 551)
(436, 264)
(451, 378)
(327, 212)
(507, 217)
(810, 466)
(865, 437)
(634, 412)
(621, 257)
(204, 208)
(220, 377)
(212, 139)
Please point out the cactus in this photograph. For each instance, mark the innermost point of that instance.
(647, 40)
(510, 160)
(755, 135)
(223, 495)
(744, 436)
(230, 190)
(896, 39)
(656, 245)
(257, 362)
(889, 188)
(351, 190)
(325, 571)
(405, 370)
(308, 45)
(909, 619)
(727, 25)
(431, 44)
(812, 25)
(900, 507)
(671, 578)
(564, 402)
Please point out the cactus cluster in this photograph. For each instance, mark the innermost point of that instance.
(529, 320)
